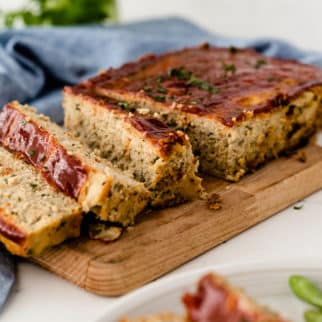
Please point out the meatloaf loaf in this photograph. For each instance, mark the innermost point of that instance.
(33, 215)
(146, 148)
(70, 167)
(238, 107)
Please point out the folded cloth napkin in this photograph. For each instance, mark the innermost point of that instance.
(36, 62)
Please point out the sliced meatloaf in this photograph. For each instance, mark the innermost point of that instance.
(70, 167)
(144, 147)
(33, 214)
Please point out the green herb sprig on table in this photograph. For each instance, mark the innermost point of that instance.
(62, 12)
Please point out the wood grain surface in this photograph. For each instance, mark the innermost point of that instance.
(163, 240)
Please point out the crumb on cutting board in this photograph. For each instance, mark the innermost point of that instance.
(214, 201)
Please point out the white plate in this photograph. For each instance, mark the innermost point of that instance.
(266, 282)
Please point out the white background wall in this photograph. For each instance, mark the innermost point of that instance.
(299, 21)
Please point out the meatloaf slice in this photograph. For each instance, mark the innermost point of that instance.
(145, 148)
(70, 167)
(238, 107)
(33, 215)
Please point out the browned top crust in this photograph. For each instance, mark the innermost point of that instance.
(225, 84)
(154, 130)
(158, 133)
(41, 149)
(10, 231)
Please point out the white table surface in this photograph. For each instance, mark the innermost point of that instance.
(292, 234)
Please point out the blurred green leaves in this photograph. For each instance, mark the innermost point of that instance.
(63, 12)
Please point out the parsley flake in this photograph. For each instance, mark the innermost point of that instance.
(158, 98)
(181, 73)
(126, 106)
(33, 186)
(31, 153)
(160, 79)
(260, 62)
(233, 49)
(161, 90)
(229, 68)
(147, 88)
(194, 81)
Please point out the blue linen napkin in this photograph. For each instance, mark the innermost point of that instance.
(6, 275)
(36, 62)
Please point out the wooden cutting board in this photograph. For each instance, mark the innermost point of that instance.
(164, 240)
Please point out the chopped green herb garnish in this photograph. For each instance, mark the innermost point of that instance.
(31, 153)
(229, 68)
(126, 106)
(147, 88)
(194, 81)
(161, 90)
(160, 79)
(33, 186)
(123, 104)
(158, 98)
(6, 180)
(208, 87)
(23, 122)
(233, 49)
(260, 62)
(273, 79)
(180, 72)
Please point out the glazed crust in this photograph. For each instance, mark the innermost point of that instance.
(33, 215)
(69, 166)
(42, 150)
(10, 230)
(223, 84)
(155, 131)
